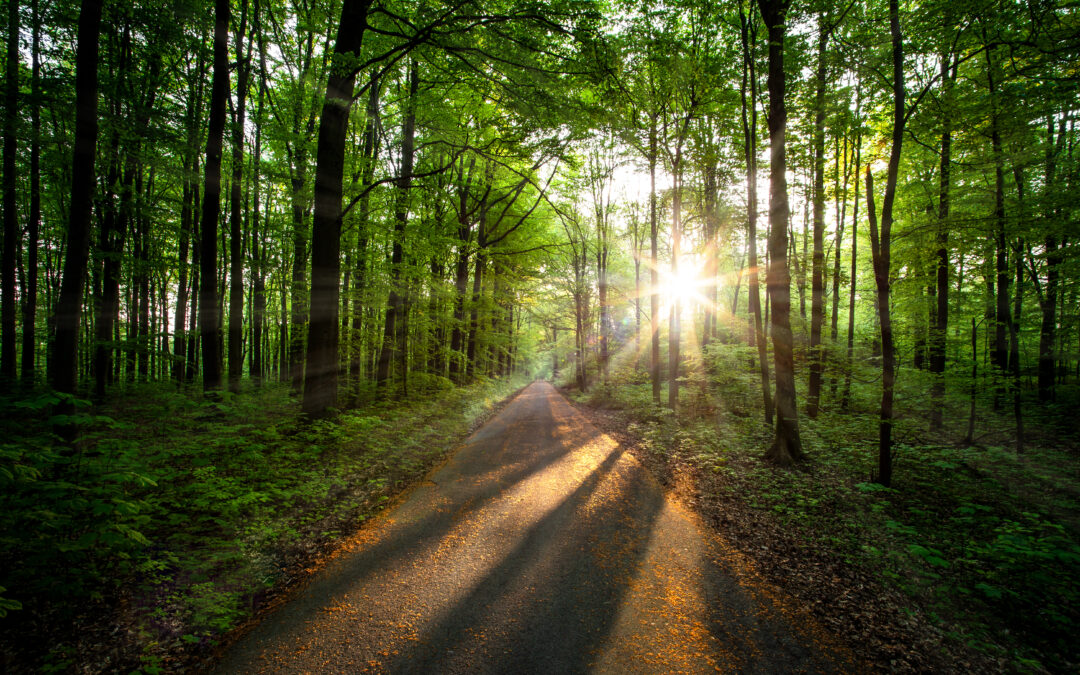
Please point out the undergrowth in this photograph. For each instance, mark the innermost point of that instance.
(982, 539)
(171, 516)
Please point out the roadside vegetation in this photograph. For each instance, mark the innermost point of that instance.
(174, 518)
(969, 561)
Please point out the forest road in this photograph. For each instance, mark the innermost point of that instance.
(541, 546)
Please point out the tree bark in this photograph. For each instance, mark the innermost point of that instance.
(787, 445)
(236, 258)
(393, 346)
(748, 28)
(321, 376)
(8, 343)
(654, 269)
(29, 345)
(881, 244)
(64, 359)
(817, 282)
(209, 306)
(941, 290)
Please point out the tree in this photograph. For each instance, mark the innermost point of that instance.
(321, 375)
(8, 344)
(787, 445)
(209, 309)
(881, 247)
(65, 354)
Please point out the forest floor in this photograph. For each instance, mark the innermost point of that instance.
(175, 518)
(541, 546)
(969, 563)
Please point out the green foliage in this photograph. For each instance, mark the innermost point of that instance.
(982, 539)
(194, 507)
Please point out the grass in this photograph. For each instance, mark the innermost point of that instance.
(980, 540)
(173, 517)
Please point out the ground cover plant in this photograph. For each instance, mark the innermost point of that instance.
(171, 519)
(978, 545)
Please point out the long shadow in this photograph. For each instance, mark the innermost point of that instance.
(475, 476)
(550, 603)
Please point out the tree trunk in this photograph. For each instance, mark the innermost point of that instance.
(787, 445)
(850, 358)
(209, 306)
(236, 259)
(675, 319)
(654, 278)
(941, 291)
(393, 347)
(321, 375)
(1000, 353)
(817, 282)
(748, 27)
(1048, 304)
(8, 344)
(64, 361)
(1014, 339)
(29, 344)
(881, 249)
(258, 247)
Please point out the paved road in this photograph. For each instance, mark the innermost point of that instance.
(540, 547)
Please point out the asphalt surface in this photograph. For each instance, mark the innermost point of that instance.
(541, 546)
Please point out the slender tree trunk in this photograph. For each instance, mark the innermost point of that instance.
(236, 258)
(64, 361)
(787, 445)
(1014, 340)
(817, 283)
(881, 247)
(393, 347)
(674, 321)
(748, 28)
(29, 344)
(1003, 320)
(853, 282)
(321, 376)
(191, 361)
(8, 348)
(941, 311)
(654, 278)
(258, 247)
(1048, 304)
(209, 305)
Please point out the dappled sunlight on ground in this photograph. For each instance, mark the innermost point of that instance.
(541, 546)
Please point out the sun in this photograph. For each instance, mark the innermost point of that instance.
(684, 286)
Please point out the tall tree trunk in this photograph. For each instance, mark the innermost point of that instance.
(675, 319)
(787, 445)
(321, 375)
(8, 344)
(941, 289)
(881, 244)
(393, 347)
(64, 359)
(1048, 304)
(654, 269)
(817, 282)
(1014, 337)
(209, 305)
(236, 258)
(853, 282)
(369, 154)
(258, 247)
(29, 344)
(748, 28)
(1000, 353)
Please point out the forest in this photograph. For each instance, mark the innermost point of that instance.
(266, 264)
